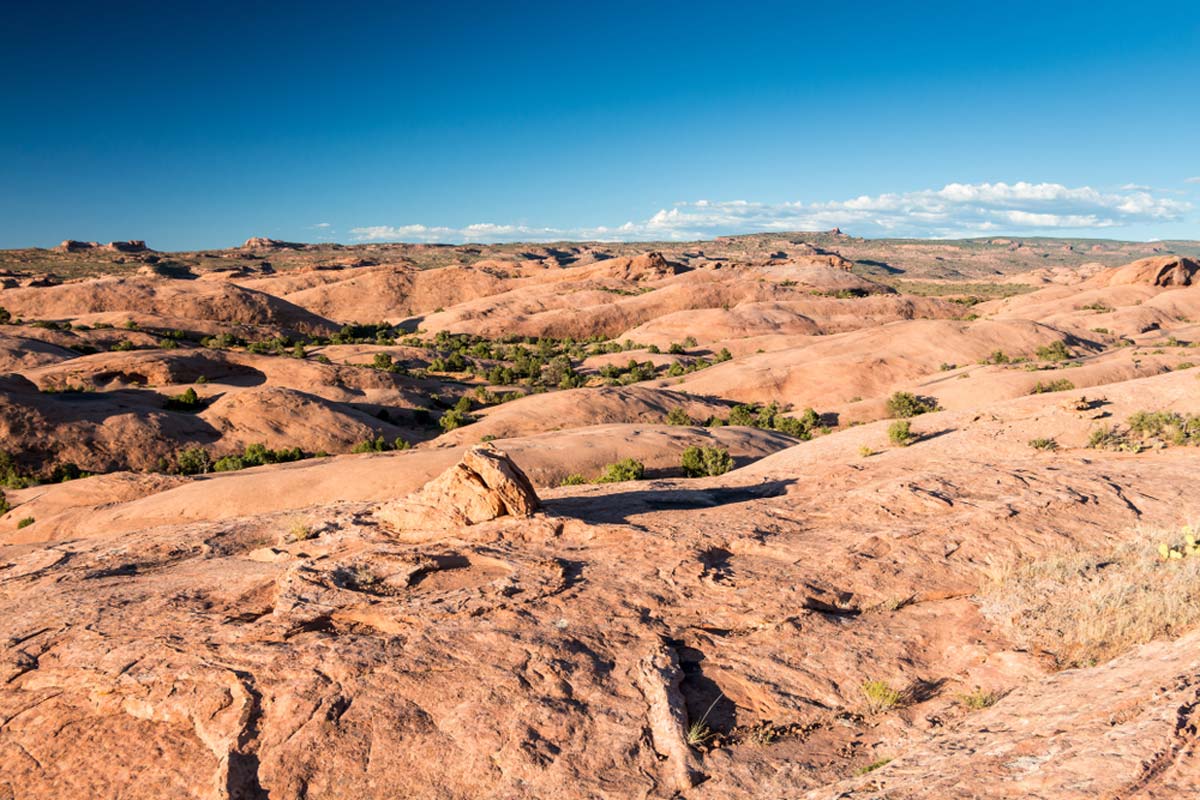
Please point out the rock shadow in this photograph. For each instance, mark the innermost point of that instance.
(615, 509)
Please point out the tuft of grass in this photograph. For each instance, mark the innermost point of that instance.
(978, 699)
(698, 731)
(574, 479)
(874, 765)
(1087, 608)
(1048, 444)
(881, 697)
(865, 451)
(299, 531)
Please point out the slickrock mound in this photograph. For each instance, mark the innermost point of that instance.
(808, 316)
(583, 308)
(576, 408)
(483, 486)
(221, 302)
(1163, 271)
(18, 353)
(872, 362)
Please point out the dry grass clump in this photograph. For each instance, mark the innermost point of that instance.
(1087, 608)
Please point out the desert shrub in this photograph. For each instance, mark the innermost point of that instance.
(457, 416)
(122, 345)
(10, 474)
(66, 472)
(189, 401)
(1055, 351)
(723, 355)
(383, 362)
(1167, 427)
(192, 461)
(675, 349)
(5, 316)
(1043, 444)
(654, 349)
(677, 416)
(1086, 608)
(25, 523)
(699, 462)
(1059, 385)
(946, 367)
(627, 469)
(998, 357)
(900, 433)
(880, 696)
(865, 451)
(771, 417)
(380, 445)
(4, 506)
(574, 479)
(907, 404)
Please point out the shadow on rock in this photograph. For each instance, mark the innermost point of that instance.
(618, 508)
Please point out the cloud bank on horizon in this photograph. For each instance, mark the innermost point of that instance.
(955, 210)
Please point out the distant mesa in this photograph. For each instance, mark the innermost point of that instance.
(130, 246)
(262, 242)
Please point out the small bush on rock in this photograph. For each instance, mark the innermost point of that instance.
(699, 462)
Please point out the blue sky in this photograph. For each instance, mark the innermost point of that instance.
(201, 124)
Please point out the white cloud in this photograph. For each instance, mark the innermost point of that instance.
(323, 225)
(956, 209)
(1195, 179)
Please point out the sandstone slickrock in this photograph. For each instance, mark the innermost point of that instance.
(485, 485)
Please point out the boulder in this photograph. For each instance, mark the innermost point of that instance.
(485, 485)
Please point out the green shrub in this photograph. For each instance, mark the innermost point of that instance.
(189, 401)
(1059, 385)
(192, 461)
(677, 416)
(998, 357)
(699, 462)
(4, 506)
(1056, 351)
(900, 433)
(25, 523)
(1043, 444)
(10, 473)
(627, 469)
(907, 404)
(380, 445)
(574, 479)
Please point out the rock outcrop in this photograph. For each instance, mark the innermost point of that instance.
(485, 485)
(1160, 271)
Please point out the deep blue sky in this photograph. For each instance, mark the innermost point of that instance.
(200, 124)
